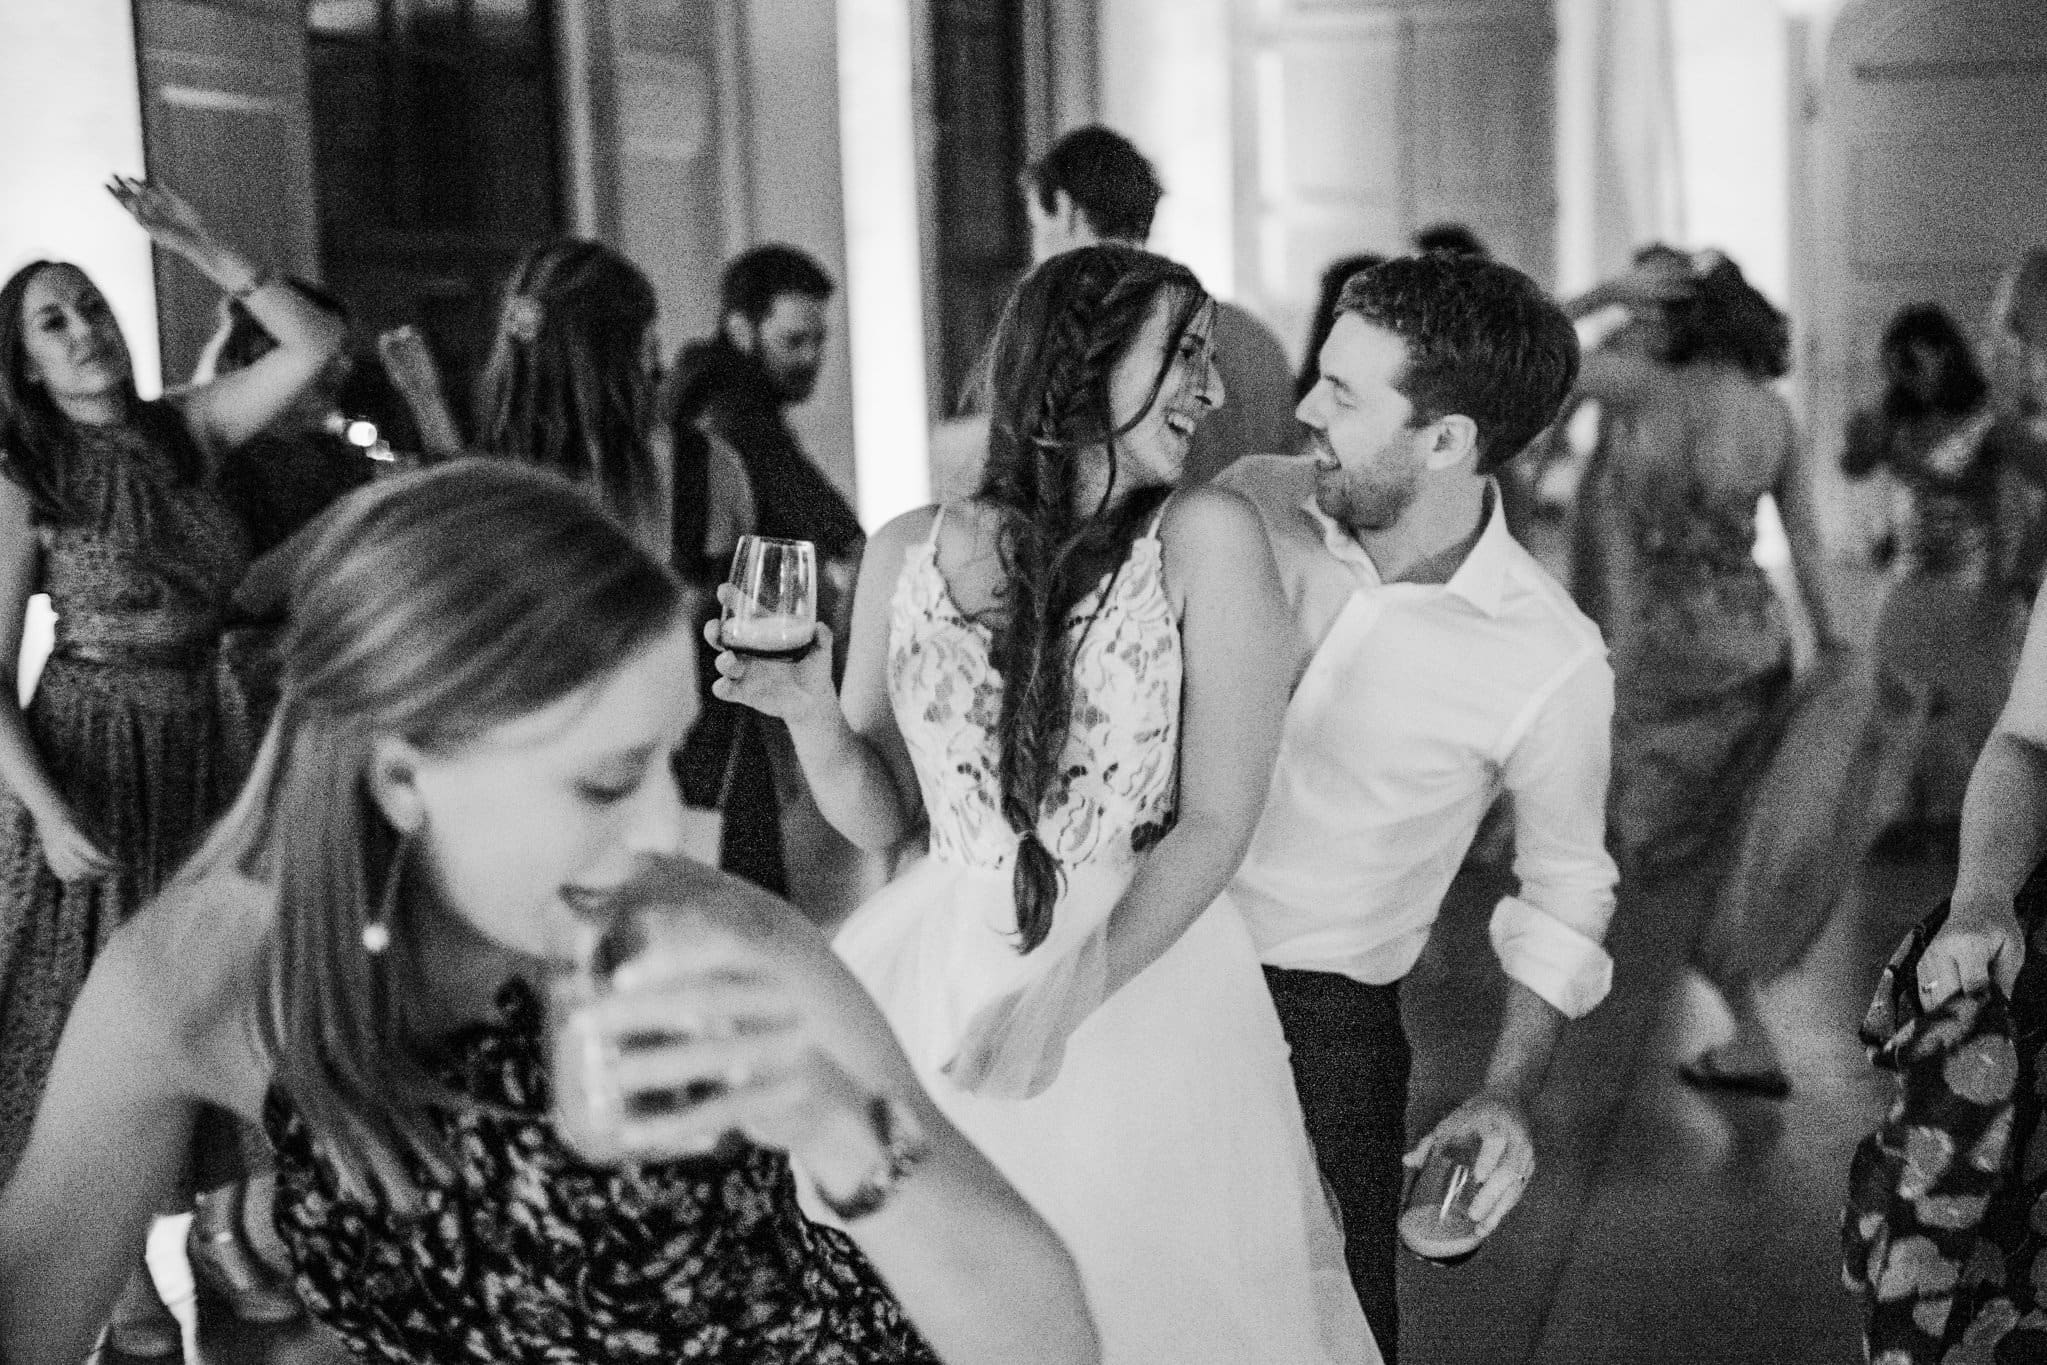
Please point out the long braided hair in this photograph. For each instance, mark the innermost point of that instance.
(1063, 332)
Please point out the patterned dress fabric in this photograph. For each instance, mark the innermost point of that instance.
(1944, 1236)
(1702, 667)
(130, 719)
(527, 1255)
(1169, 1151)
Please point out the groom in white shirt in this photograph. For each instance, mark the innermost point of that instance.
(1445, 668)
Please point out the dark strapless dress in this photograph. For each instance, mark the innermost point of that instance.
(528, 1255)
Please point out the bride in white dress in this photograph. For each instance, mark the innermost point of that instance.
(1074, 683)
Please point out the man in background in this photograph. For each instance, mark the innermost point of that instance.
(1093, 185)
(739, 468)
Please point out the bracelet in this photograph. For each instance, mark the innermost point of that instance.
(257, 280)
(903, 1146)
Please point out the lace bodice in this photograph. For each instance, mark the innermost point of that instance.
(1118, 788)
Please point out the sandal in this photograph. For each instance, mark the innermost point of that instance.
(1704, 1073)
(225, 1267)
(141, 1326)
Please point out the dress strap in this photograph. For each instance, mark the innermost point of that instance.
(1151, 532)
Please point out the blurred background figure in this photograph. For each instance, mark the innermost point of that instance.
(1453, 239)
(1334, 277)
(740, 469)
(1947, 633)
(1701, 648)
(1094, 185)
(570, 381)
(131, 746)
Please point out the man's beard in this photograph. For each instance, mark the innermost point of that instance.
(1358, 506)
(793, 384)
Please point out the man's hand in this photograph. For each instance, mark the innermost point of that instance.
(1506, 1153)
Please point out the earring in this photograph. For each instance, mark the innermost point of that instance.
(376, 930)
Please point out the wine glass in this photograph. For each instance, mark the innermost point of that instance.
(772, 608)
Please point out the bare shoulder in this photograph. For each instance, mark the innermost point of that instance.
(1210, 520)
(894, 539)
(173, 1027)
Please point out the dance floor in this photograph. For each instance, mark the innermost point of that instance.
(1664, 1225)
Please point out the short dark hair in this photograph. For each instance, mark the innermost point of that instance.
(1483, 340)
(1452, 238)
(1107, 178)
(754, 279)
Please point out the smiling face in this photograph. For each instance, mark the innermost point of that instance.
(553, 808)
(71, 345)
(1369, 457)
(1154, 450)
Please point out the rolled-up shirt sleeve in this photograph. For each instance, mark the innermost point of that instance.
(1550, 936)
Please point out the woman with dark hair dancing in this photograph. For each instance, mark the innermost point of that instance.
(1071, 680)
(1946, 637)
(1700, 645)
(129, 749)
(467, 778)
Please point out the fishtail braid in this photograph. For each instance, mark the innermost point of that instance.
(1065, 330)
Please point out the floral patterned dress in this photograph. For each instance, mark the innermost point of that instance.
(1169, 1150)
(130, 718)
(529, 1255)
(1945, 1232)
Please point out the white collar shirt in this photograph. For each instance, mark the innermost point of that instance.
(1420, 705)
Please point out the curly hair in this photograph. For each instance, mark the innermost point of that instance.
(1064, 331)
(566, 386)
(1724, 320)
(1482, 339)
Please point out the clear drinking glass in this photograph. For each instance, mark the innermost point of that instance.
(773, 611)
(589, 1110)
(1435, 1221)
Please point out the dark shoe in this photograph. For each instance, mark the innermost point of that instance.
(141, 1326)
(225, 1267)
(1703, 1073)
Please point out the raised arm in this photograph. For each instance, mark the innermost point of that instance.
(69, 850)
(232, 409)
(852, 754)
(410, 366)
(107, 1151)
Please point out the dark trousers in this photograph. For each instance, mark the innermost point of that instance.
(1351, 1060)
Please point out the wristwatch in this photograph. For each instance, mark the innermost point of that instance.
(903, 1145)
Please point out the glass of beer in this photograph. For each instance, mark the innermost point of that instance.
(1435, 1221)
(772, 613)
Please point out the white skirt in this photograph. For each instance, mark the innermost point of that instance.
(1169, 1153)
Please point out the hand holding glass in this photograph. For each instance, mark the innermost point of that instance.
(592, 1110)
(771, 612)
(1436, 1220)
